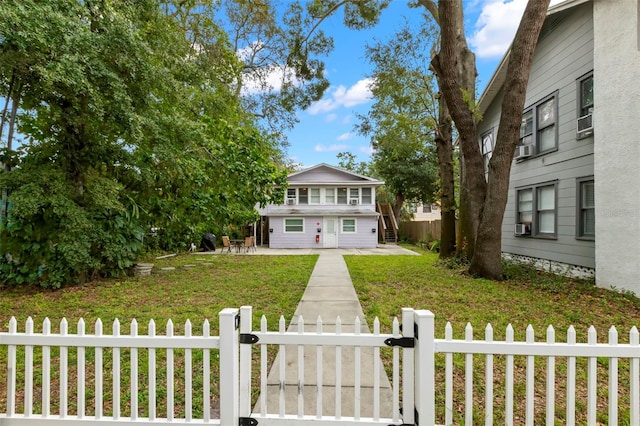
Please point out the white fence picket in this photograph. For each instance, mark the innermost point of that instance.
(634, 373)
(46, 371)
(592, 377)
(170, 374)
(98, 372)
(338, 410)
(488, 382)
(613, 379)
(468, 378)
(300, 370)
(551, 379)
(357, 373)
(115, 356)
(319, 372)
(28, 374)
(530, 384)
(571, 380)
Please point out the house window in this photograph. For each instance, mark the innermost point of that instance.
(487, 150)
(586, 217)
(538, 127)
(291, 194)
(354, 194)
(330, 196)
(366, 196)
(586, 96)
(348, 225)
(303, 195)
(537, 210)
(314, 196)
(294, 225)
(342, 195)
(426, 208)
(546, 210)
(585, 107)
(526, 128)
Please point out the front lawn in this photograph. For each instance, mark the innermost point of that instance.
(198, 289)
(387, 284)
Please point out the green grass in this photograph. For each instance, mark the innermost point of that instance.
(386, 284)
(272, 285)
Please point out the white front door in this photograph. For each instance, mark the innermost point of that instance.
(330, 234)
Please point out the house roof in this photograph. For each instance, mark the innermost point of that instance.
(498, 78)
(325, 174)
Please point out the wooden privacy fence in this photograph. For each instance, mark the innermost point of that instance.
(421, 230)
(431, 379)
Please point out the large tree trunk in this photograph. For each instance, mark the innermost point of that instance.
(397, 207)
(455, 66)
(444, 150)
(487, 261)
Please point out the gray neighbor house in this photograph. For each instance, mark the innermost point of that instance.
(574, 193)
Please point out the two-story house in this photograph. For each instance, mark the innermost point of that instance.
(324, 207)
(574, 198)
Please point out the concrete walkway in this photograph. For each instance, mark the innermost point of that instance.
(329, 294)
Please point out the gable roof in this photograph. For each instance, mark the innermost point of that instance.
(499, 76)
(324, 174)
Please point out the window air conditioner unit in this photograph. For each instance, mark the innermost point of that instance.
(523, 229)
(585, 125)
(291, 201)
(524, 151)
(353, 201)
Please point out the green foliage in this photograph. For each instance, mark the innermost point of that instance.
(400, 123)
(131, 123)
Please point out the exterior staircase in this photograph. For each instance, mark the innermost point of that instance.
(387, 226)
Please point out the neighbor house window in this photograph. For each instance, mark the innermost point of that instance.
(303, 195)
(546, 210)
(366, 196)
(342, 195)
(314, 196)
(586, 96)
(586, 217)
(538, 127)
(348, 225)
(330, 196)
(354, 194)
(426, 208)
(585, 107)
(293, 225)
(487, 150)
(537, 209)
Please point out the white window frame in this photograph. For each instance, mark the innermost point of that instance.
(318, 196)
(330, 200)
(292, 194)
(285, 225)
(366, 199)
(345, 198)
(342, 225)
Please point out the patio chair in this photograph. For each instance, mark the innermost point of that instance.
(249, 244)
(226, 244)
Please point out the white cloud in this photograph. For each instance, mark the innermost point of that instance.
(357, 94)
(345, 136)
(496, 26)
(330, 148)
(331, 117)
(366, 149)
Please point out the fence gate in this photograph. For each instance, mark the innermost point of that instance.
(308, 380)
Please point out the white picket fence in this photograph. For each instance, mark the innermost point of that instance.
(413, 377)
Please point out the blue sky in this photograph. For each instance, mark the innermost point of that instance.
(327, 127)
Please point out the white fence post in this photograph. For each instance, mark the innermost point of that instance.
(408, 368)
(246, 319)
(425, 369)
(229, 368)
